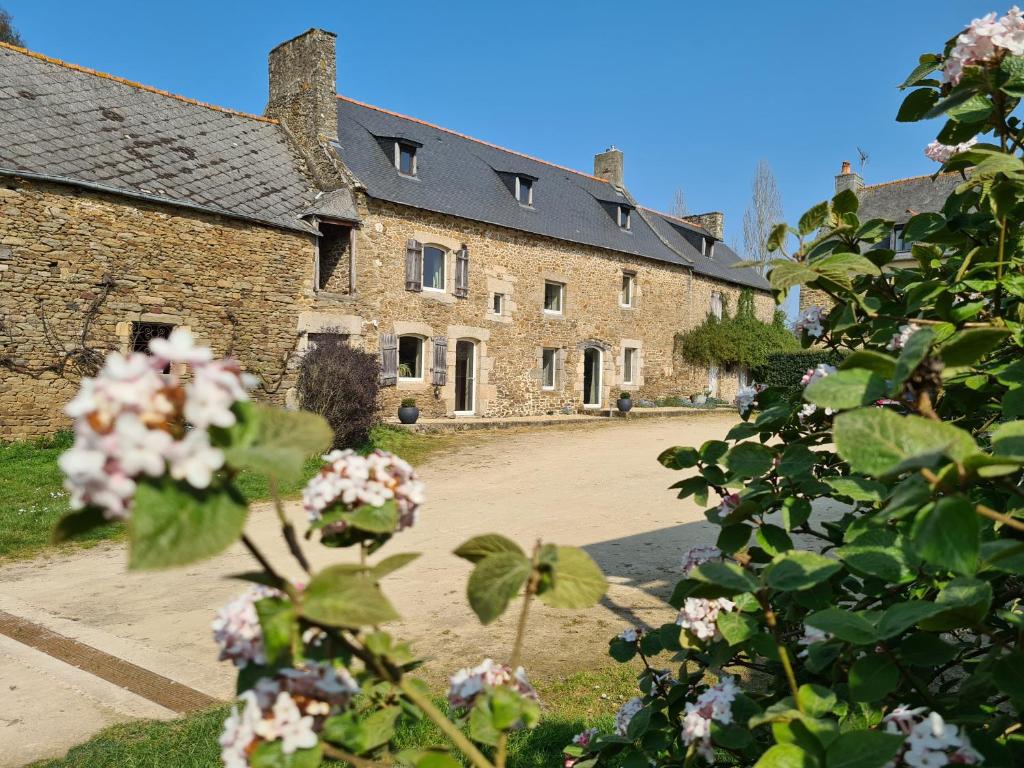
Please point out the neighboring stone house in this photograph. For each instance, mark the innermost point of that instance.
(489, 282)
(896, 201)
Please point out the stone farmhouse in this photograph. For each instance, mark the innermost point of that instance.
(489, 282)
(897, 201)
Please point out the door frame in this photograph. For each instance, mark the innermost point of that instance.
(600, 377)
(472, 383)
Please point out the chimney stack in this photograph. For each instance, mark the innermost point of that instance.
(712, 221)
(303, 87)
(608, 166)
(848, 179)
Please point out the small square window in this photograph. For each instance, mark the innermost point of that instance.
(628, 289)
(899, 244)
(410, 358)
(498, 303)
(629, 365)
(524, 190)
(624, 217)
(548, 362)
(553, 297)
(405, 158)
(143, 333)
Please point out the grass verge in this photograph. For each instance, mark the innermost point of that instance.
(32, 497)
(571, 704)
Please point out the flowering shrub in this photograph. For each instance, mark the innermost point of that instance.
(317, 675)
(863, 608)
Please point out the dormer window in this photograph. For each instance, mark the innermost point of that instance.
(899, 244)
(405, 158)
(524, 190)
(624, 217)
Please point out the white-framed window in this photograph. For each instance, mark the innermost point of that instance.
(707, 247)
(549, 361)
(554, 294)
(434, 260)
(524, 190)
(410, 358)
(624, 221)
(405, 158)
(498, 304)
(628, 292)
(898, 243)
(716, 304)
(629, 362)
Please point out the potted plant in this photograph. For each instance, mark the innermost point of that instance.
(625, 402)
(699, 398)
(408, 413)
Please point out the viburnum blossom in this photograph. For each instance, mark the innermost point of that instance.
(713, 704)
(809, 322)
(942, 153)
(985, 40)
(700, 616)
(899, 339)
(700, 555)
(728, 505)
(350, 481)
(810, 636)
(236, 628)
(820, 371)
(930, 741)
(631, 635)
(290, 708)
(130, 421)
(626, 713)
(745, 398)
(581, 740)
(469, 682)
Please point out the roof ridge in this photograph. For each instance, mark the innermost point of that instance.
(674, 218)
(469, 138)
(132, 83)
(932, 176)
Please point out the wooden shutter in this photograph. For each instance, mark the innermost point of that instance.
(413, 265)
(439, 373)
(462, 272)
(388, 359)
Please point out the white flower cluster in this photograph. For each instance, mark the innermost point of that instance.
(236, 628)
(352, 481)
(900, 339)
(700, 616)
(289, 709)
(820, 371)
(811, 635)
(942, 153)
(131, 420)
(745, 398)
(631, 635)
(809, 322)
(984, 40)
(930, 741)
(584, 738)
(626, 713)
(714, 704)
(728, 505)
(469, 682)
(699, 556)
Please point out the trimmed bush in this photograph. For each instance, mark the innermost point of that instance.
(341, 383)
(785, 369)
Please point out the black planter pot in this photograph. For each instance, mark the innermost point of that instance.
(625, 404)
(408, 414)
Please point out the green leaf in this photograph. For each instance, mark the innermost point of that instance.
(799, 569)
(1009, 675)
(494, 582)
(857, 488)
(732, 538)
(786, 274)
(816, 700)
(795, 512)
(914, 352)
(1013, 68)
(277, 620)
(877, 441)
(873, 677)
(958, 96)
(840, 267)
(270, 754)
(964, 602)
(947, 533)
(361, 736)
(679, 457)
(777, 237)
(877, 553)
(1008, 439)
(340, 597)
(175, 524)
(479, 547)
(916, 105)
(814, 218)
(922, 649)
(929, 62)
(845, 202)
(847, 389)
(773, 540)
(392, 563)
(620, 650)
(863, 749)
(786, 756)
(577, 581)
(844, 624)
(280, 443)
(922, 225)
(873, 230)
(382, 519)
(970, 345)
(880, 363)
(736, 627)
(75, 523)
(900, 617)
(427, 758)
(749, 459)
(727, 579)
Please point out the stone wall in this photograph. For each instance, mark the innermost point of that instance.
(236, 285)
(812, 297)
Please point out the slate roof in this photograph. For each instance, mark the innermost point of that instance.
(469, 178)
(66, 123)
(899, 200)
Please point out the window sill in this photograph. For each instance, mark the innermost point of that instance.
(411, 384)
(552, 313)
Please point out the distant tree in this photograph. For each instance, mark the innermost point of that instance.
(764, 212)
(8, 34)
(679, 208)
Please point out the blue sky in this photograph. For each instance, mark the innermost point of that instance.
(693, 93)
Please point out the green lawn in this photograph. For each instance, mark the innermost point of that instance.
(570, 705)
(32, 497)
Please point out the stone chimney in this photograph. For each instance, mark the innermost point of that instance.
(303, 87)
(608, 166)
(712, 221)
(848, 179)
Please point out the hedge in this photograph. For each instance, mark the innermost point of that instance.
(785, 369)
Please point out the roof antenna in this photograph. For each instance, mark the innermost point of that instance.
(864, 157)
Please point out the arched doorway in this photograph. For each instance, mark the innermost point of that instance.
(592, 364)
(465, 377)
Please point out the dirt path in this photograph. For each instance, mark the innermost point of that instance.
(598, 487)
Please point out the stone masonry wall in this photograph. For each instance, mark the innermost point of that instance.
(236, 285)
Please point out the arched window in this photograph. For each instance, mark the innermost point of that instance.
(410, 358)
